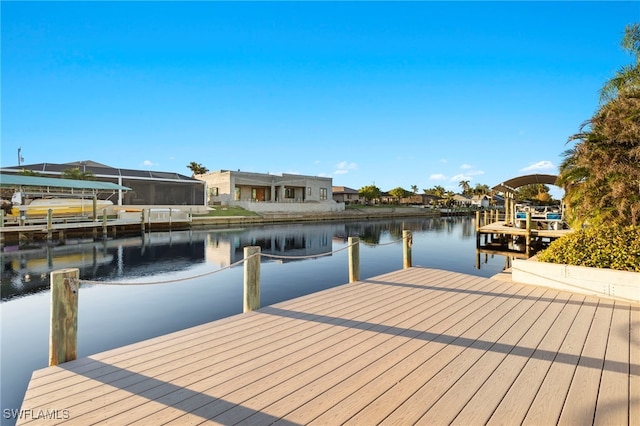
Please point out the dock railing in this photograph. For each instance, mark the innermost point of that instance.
(65, 285)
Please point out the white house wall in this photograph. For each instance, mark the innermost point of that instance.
(306, 189)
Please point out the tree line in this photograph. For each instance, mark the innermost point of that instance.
(534, 193)
(600, 173)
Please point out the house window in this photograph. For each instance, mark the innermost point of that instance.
(289, 193)
(213, 192)
(323, 194)
(236, 194)
(309, 191)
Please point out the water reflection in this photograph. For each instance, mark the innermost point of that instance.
(27, 271)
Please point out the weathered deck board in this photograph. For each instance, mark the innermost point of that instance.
(413, 346)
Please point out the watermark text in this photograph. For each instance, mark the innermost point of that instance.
(35, 414)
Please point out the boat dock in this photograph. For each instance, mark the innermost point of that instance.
(415, 346)
(497, 234)
(61, 228)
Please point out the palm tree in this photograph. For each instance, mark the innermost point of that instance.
(627, 79)
(481, 189)
(601, 173)
(197, 168)
(438, 191)
(25, 172)
(448, 198)
(464, 184)
(77, 174)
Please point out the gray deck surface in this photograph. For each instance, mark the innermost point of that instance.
(416, 346)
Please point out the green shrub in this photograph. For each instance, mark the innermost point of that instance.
(599, 247)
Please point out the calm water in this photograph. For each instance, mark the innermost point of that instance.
(114, 315)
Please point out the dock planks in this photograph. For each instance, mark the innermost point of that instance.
(416, 346)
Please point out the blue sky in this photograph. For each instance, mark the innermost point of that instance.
(385, 93)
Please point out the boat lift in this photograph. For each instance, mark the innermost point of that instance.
(25, 189)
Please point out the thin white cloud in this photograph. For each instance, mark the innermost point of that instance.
(466, 167)
(148, 163)
(540, 165)
(344, 167)
(443, 160)
(437, 176)
(459, 177)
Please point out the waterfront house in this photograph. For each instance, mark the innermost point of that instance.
(481, 201)
(263, 192)
(346, 195)
(461, 200)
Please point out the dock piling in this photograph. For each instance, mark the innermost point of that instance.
(354, 259)
(528, 235)
(104, 224)
(63, 331)
(251, 278)
(49, 225)
(407, 242)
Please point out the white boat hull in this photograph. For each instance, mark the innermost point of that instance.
(60, 206)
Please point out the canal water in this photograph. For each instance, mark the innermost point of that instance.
(163, 282)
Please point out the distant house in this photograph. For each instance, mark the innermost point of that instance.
(461, 201)
(386, 198)
(421, 199)
(262, 192)
(429, 199)
(497, 200)
(343, 194)
(482, 201)
(412, 199)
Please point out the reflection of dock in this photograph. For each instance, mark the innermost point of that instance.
(61, 229)
(416, 345)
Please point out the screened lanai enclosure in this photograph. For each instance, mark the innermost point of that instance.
(146, 187)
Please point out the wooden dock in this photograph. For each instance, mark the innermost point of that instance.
(499, 228)
(416, 346)
(61, 230)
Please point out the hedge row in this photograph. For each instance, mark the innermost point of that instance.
(600, 247)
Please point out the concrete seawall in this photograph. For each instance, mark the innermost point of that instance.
(276, 217)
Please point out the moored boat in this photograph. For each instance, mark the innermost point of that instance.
(59, 206)
(546, 217)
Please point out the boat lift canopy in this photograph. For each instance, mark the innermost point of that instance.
(51, 185)
(509, 186)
